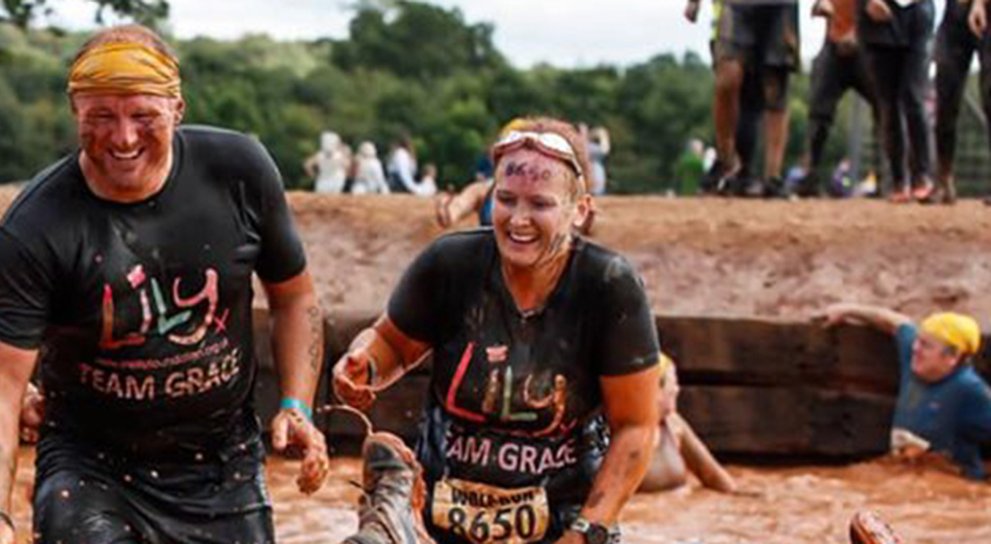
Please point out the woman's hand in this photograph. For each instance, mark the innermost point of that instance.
(352, 379)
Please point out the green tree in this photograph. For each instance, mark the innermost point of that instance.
(422, 41)
(23, 12)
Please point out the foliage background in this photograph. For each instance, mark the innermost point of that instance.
(406, 67)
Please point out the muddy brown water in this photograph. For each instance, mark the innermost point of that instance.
(793, 505)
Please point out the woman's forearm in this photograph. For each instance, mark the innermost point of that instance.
(623, 468)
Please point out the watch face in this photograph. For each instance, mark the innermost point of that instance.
(596, 534)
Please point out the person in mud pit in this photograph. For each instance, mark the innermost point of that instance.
(127, 277)
(543, 346)
(678, 449)
(943, 406)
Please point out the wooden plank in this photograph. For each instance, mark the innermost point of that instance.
(766, 352)
(758, 351)
(788, 420)
(750, 386)
(746, 350)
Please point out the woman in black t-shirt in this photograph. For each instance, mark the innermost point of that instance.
(542, 403)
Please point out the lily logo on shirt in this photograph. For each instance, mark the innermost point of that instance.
(166, 319)
(498, 400)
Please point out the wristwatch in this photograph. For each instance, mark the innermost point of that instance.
(594, 533)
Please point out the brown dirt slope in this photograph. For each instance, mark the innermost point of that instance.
(702, 256)
(697, 256)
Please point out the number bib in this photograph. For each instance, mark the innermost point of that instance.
(483, 513)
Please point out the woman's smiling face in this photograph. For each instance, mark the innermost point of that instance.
(535, 207)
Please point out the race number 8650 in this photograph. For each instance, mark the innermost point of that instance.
(501, 525)
(483, 513)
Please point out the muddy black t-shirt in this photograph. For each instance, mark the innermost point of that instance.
(142, 312)
(515, 398)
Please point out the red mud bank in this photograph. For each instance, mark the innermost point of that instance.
(703, 257)
(706, 257)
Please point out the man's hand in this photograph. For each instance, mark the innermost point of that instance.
(692, 10)
(32, 414)
(353, 375)
(978, 18)
(823, 8)
(291, 428)
(878, 11)
(834, 314)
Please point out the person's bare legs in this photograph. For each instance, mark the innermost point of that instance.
(775, 83)
(776, 136)
(726, 110)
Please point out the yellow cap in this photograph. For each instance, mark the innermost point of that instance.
(957, 330)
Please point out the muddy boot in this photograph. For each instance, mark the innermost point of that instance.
(394, 494)
(867, 527)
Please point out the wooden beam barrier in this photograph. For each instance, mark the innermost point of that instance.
(749, 386)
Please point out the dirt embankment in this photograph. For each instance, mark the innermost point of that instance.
(701, 256)
(697, 256)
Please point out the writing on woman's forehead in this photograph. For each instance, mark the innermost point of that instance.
(527, 170)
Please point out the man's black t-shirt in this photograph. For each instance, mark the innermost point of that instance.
(515, 398)
(142, 311)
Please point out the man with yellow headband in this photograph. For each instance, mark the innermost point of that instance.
(127, 272)
(943, 406)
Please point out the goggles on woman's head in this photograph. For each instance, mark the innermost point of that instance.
(548, 143)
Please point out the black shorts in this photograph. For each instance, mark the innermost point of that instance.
(86, 496)
(761, 35)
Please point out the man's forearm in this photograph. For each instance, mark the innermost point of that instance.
(876, 316)
(622, 470)
(297, 345)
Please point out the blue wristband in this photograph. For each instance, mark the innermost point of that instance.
(288, 403)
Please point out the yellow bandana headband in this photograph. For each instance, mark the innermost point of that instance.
(125, 68)
(957, 330)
